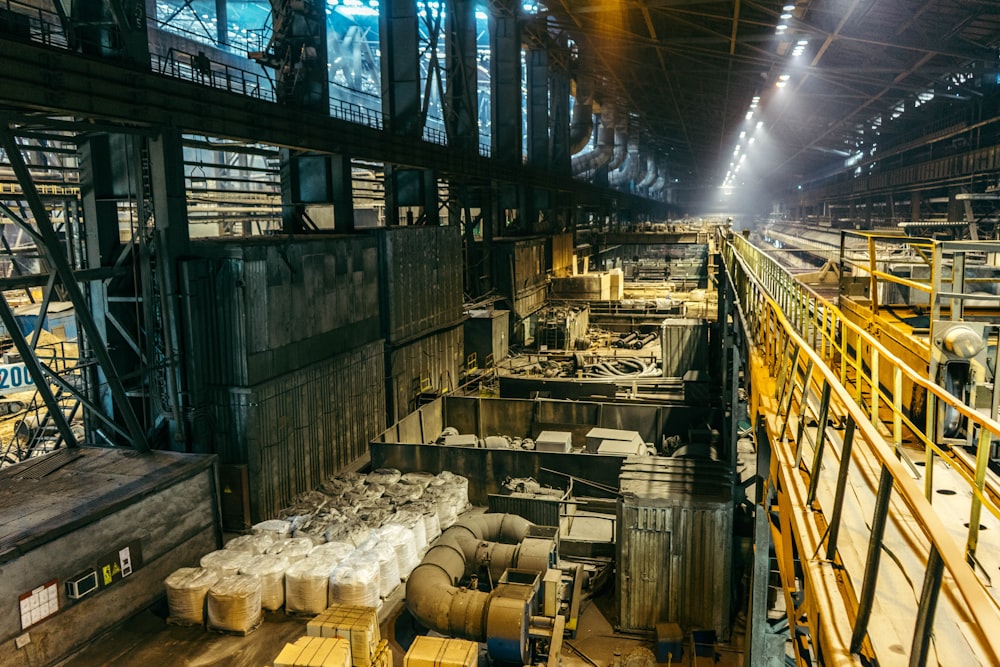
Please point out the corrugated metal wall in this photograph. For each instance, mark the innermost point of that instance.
(260, 308)
(421, 280)
(684, 346)
(294, 430)
(562, 254)
(432, 362)
(674, 563)
(519, 272)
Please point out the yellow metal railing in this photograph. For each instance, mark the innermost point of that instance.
(821, 368)
(942, 274)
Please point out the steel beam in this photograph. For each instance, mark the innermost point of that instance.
(57, 257)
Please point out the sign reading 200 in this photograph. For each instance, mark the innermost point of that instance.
(14, 377)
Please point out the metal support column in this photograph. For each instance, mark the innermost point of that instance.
(104, 181)
(559, 89)
(538, 107)
(462, 110)
(171, 241)
(757, 626)
(398, 40)
(505, 81)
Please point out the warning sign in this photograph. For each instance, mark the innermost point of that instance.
(39, 603)
(120, 563)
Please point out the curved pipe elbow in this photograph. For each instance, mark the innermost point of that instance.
(440, 605)
(620, 150)
(651, 172)
(581, 128)
(432, 591)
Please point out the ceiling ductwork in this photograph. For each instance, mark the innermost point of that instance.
(651, 172)
(582, 126)
(657, 187)
(622, 177)
(603, 152)
(621, 144)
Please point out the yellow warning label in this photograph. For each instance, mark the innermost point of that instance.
(115, 569)
(106, 571)
(227, 489)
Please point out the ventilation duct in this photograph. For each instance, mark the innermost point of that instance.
(433, 593)
(621, 145)
(582, 126)
(629, 168)
(656, 188)
(601, 153)
(650, 176)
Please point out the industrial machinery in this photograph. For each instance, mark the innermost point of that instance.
(935, 305)
(493, 578)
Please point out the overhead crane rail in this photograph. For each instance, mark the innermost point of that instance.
(847, 495)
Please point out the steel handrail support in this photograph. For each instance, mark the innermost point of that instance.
(937, 396)
(867, 442)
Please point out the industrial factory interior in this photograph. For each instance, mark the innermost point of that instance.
(483, 333)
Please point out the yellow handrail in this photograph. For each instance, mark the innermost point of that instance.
(792, 329)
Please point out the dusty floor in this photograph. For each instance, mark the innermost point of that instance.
(147, 640)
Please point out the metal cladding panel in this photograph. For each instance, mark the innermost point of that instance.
(258, 309)
(675, 565)
(684, 346)
(421, 280)
(562, 254)
(520, 271)
(430, 364)
(295, 430)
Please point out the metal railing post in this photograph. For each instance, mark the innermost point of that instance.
(926, 608)
(838, 499)
(867, 596)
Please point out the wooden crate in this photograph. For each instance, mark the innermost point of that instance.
(358, 625)
(315, 652)
(439, 652)
(383, 655)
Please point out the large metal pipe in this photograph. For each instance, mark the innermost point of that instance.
(657, 187)
(601, 153)
(433, 594)
(629, 168)
(651, 172)
(582, 125)
(621, 145)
